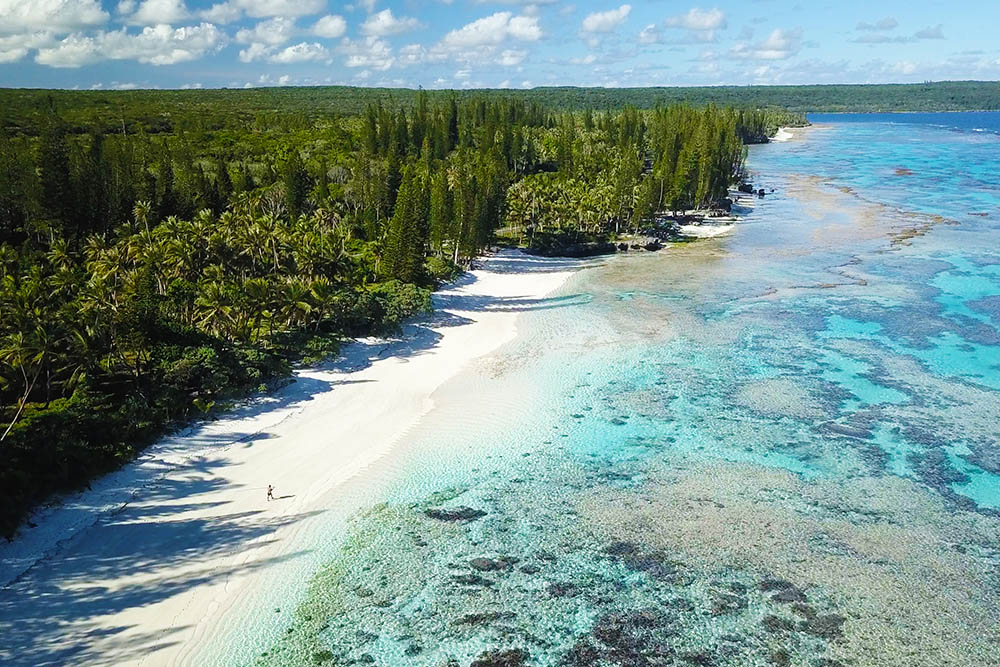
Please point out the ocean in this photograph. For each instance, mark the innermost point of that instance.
(780, 446)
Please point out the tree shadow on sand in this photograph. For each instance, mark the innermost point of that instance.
(126, 539)
(51, 614)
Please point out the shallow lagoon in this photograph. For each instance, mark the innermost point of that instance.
(774, 447)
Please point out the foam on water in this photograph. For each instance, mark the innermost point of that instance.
(778, 446)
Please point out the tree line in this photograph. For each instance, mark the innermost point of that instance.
(146, 277)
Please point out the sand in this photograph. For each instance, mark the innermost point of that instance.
(706, 230)
(783, 134)
(156, 559)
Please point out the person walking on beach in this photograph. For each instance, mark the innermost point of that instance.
(270, 493)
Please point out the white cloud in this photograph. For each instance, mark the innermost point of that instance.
(266, 80)
(650, 35)
(512, 57)
(125, 7)
(779, 45)
(59, 16)
(288, 8)
(524, 28)
(191, 86)
(264, 37)
(255, 51)
(15, 47)
(154, 12)
(300, 53)
(588, 59)
(412, 54)
(934, 32)
(155, 45)
(905, 67)
(876, 38)
(888, 23)
(702, 24)
(368, 52)
(223, 12)
(493, 29)
(384, 24)
(330, 26)
(606, 21)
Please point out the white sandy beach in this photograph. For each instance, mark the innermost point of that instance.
(707, 230)
(783, 134)
(155, 558)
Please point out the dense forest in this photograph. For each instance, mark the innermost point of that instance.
(165, 111)
(151, 270)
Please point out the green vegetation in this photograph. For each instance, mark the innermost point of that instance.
(150, 270)
(170, 111)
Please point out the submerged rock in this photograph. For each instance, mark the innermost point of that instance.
(493, 564)
(514, 657)
(774, 623)
(461, 513)
(789, 595)
(484, 618)
(827, 626)
(784, 591)
(621, 548)
(727, 603)
(561, 589)
(471, 580)
(781, 658)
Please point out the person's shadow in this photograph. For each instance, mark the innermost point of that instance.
(283, 497)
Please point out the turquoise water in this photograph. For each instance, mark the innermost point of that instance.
(777, 447)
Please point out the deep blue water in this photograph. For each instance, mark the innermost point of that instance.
(966, 121)
(776, 447)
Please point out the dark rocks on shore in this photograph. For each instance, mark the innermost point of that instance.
(745, 188)
(461, 513)
(514, 657)
(584, 249)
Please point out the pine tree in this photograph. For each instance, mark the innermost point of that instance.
(223, 182)
(441, 211)
(54, 173)
(296, 183)
(405, 245)
(166, 196)
(322, 182)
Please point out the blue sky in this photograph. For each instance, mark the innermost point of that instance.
(492, 43)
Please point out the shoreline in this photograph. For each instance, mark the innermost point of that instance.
(147, 563)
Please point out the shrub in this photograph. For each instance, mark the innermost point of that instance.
(441, 269)
(398, 301)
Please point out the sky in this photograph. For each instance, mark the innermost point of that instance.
(492, 43)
